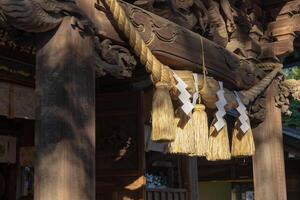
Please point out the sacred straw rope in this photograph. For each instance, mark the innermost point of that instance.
(250, 94)
(161, 72)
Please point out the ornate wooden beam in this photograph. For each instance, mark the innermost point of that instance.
(172, 44)
(176, 46)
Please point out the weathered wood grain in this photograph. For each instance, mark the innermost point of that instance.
(268, 161)
(65, 123)
(190, 176)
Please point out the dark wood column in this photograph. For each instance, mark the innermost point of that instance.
(189, 171)
(268, 161)
(65, 121)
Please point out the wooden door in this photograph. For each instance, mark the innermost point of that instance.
(120, 146)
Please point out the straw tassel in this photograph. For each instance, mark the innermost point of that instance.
(200, 130)
(218, 144)
(242, 143)
(242, 137)
(184, 142)
(162, 114)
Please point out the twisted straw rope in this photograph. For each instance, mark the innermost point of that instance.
(159, 72)
(250, 94)
(162, 73)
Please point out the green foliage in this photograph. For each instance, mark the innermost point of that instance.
(293, 121)
(292, 73)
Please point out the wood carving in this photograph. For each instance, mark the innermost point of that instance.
(287, 89)
(36, 15)
(293, 87)
(172, 44)
(163, 36)
(244, 40)
(280, 35)
(115, 60)
(219, 30)
(191, 14)
(257, 110)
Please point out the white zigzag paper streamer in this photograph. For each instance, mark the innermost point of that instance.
(221, 108)
(196, 94)
(244, 119)
(184, 96)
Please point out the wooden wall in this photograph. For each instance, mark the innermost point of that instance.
(120, 146)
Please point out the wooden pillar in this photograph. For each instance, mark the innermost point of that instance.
(189, 174)
(65, 122)
(268, 161)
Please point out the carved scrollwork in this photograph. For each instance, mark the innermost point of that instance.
(36, 15)
(114, 60)
(257, 109)
(289, 88)
(282, 98)
(293, 86)
(191, 14)
(281, 33)
(165, 32)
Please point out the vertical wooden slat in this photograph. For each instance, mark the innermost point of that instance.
(176, 196)
(4, 103)
(163, 195)
(156, 195)
(149, 195)
(268, 161)
(170, 196)
(190, 176)
(182, 196)
(65, 123)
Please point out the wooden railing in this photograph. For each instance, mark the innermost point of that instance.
(166, 194)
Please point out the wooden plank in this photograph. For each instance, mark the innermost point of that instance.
(190, 176)
(156, 195)
(65, 125)
(4, 103)
(23, 102)
(268, 161)
(126, 173)
(170, 196)
(182, 196)
(163, 195)
(149, 195)
(176, 196)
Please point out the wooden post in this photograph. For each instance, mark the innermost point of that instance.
(190, 176)
(65, 122)
(268, 161)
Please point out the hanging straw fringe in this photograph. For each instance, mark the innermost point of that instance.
(242, 138)
(199, 116)
(242, 143)
(162, 115)
(218, 144)
(199, 119)
(184, 141)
